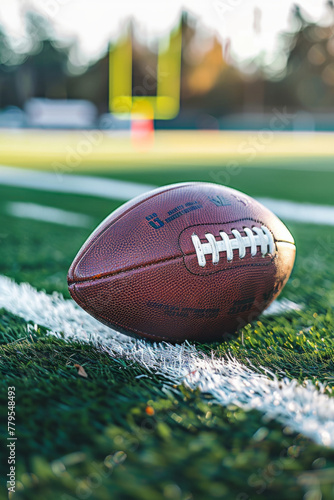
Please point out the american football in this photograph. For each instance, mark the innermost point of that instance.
(189, 261)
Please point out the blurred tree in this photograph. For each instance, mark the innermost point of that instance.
(210, 85)
(40, 72)
(309, 79)
(8, 90)
(208, 82)
(46, 63)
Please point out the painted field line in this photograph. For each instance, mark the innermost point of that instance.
(300, 212)
(306, 409)
(124, 190)
(280, 307)
(48, 214)
(73, 184)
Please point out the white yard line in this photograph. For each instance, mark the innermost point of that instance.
(48, 214)
(305, 409)
(124, 190)
(281, 306)
(300, 212)
(74, 184)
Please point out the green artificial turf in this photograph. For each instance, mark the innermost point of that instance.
(125, 433)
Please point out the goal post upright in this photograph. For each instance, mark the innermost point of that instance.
(165, 104)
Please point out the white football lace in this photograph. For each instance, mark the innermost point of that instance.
(255, 237)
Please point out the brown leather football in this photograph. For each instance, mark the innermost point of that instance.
(188, 261)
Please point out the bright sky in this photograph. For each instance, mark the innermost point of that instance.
(95, 22)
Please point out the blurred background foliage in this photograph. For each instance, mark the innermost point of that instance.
(302, 77)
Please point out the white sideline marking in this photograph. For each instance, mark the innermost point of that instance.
(74, 184)
(280, 307)
(306, 409)
(124, 191)
(300, 212)
(48, 214)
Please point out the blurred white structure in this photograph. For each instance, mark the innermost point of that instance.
(60, 113)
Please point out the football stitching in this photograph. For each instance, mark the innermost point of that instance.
(208, 273)
(265, 264)
(254, 238)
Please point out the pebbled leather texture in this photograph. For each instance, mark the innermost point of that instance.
(138, 272)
